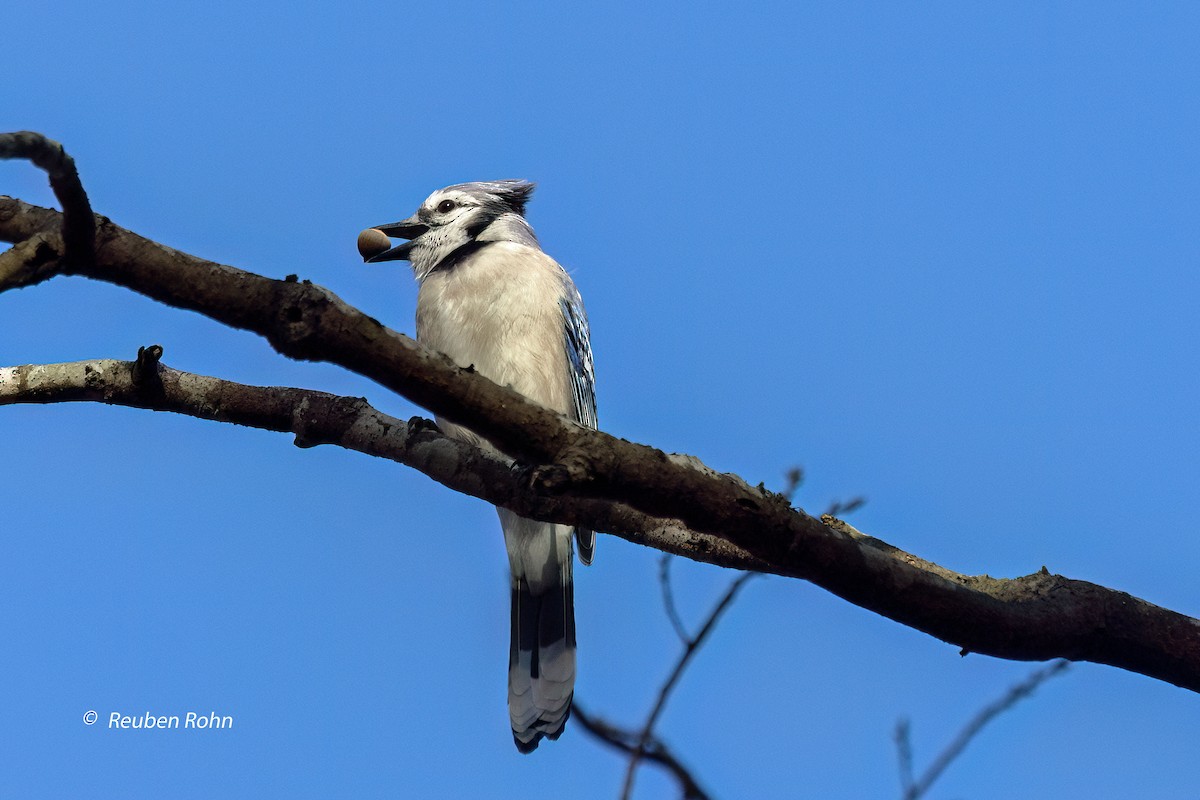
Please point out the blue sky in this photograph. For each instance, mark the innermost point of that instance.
(944, 257)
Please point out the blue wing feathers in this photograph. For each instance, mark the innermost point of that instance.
(583, 383)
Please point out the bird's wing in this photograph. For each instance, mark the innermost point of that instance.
(583, 383)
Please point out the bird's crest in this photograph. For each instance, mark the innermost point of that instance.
(512, 194)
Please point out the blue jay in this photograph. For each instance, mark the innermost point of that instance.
(490, 298)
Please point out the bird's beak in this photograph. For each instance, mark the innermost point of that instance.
(409, 229)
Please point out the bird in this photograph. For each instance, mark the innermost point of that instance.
(490, 299)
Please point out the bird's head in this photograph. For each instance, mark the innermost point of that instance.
(450, 220)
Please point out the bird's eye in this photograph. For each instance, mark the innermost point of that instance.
(445, 207)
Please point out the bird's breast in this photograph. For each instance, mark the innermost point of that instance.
(499, 311)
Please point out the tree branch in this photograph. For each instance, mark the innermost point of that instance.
(653, 750)
(668, 596)
(1036, 617)
(78, 222)
(912, 789)
(691, 646)
(317, 418)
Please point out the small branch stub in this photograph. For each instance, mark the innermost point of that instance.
(145, 370)
(149, 356)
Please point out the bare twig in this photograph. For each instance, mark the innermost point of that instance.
(904, 754)
(794, 477)
(664, 580)
(841, 509)
(690, 649)
(625, 741)
(913, 789)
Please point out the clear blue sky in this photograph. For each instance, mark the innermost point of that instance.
(944, 257)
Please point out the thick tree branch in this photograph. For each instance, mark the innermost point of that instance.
(317, 418)
(308, 322)
(78, 225)
(1036, 617)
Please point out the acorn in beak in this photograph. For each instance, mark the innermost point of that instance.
(374, 244)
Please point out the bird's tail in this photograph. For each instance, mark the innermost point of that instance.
(541, 659)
